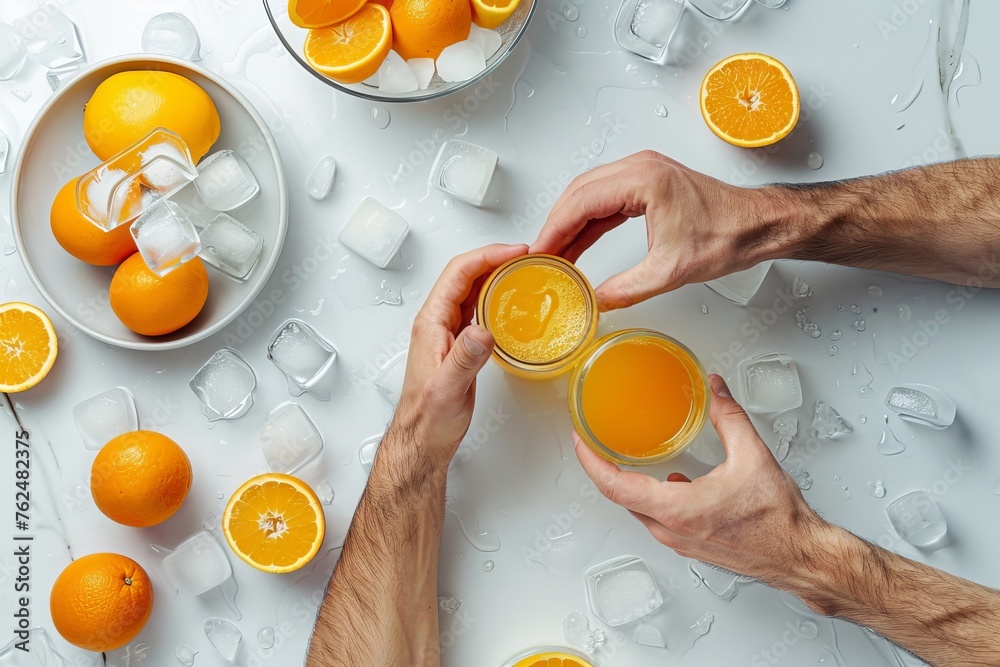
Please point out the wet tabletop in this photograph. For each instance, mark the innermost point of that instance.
(566, 100)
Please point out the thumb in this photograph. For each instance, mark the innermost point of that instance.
(642, 281)
(468, 355)
(731, 421)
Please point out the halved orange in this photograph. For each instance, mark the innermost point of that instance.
(750, 100)
(321, 13)
(28, 346)
(352, 50)
(275, 523)
(552, 659)
(491, 13)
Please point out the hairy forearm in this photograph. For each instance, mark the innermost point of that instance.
(381, 605)
(944, 620)
(941, 221)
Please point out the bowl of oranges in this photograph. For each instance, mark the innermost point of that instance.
(81, 194)
(400, 50)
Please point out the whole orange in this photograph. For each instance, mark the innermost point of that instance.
(140, 478)
(101, 602)
(423, 28)
(154, 305)
(84, 240)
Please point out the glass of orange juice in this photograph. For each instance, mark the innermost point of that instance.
(549, 656)
(542, 313)
(638, 397)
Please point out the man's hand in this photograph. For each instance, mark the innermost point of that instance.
(697, 228)
(747, 515)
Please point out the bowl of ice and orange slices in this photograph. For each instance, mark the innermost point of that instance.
(399, 50)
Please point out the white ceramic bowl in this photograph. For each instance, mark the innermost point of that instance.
(54, 151)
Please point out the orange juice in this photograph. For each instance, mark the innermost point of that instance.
(541, 311)
(639, 397)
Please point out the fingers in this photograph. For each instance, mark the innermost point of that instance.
(739, 437)
(467, 357)
(678, 477)
(633, 491)
(589, 236)
(642, 281)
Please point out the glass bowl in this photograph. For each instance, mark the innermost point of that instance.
(293, 38)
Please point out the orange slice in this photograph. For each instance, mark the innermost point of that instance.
(491, 13)
(321, 13)
(552, 659)
(352, 50)
(750, 100)
(28, 346)
(275, 523)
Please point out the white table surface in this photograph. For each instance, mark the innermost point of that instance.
(560, 105)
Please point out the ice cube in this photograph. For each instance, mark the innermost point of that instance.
(917, 519)
(166, 237)
(769, 383)
(786, 428)
(741, 286)
(449, 605)
(577, 631)
(390, 377)
(647, 635)
(228, 245)
(489, 40)
(265, 637)
(198, 565)
(33, 648)
(375, 232)
(395, 76)
(721, 10)
(289, 439)
(654, 21)
(50, 37)
(225, 181)
(461, 61)
(224, 385)
(184, 655)
(827, 422)
(224, 635)
(621, 590)
(922, 404)
(464, 170)
(4, 151)
(800, 288)
(321, 178)
(423, 70)
(12, 54)
(368, 451)
(104, 416)
(172, 34)
(303, 355)
(325, 492)
(56, 77)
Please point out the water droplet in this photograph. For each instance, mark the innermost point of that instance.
(210, 521)
(381, 117)
(876, 489)
(581, 31)
(388, 295)
(862, 419)
(841, 307)
(488, 566)
(571, 13)
(318, 309)
(856, 309)
(874, 290)
(697, 630)
(265, 638)
(449, 605)
(415, 294)
(632, 70)
(815, 161)
(483, 540)
(11, 289)
(860, 325)
(889, 444)
(834, 350)
(660, 110)
(447, 203)
(704, 309)
(808, 630)
(827, 658)
(220, 495)
(836, 334)
(9, 249)
(804, 480)
(902, 100)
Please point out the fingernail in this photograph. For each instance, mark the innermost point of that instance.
(474, 347)
(719, 386)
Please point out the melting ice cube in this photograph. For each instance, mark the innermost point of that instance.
(224, 635)
(184, 655)
(320, 180)
(12, 54)
(166, 237)
(461, 61)
(827, 422)
(368, 451)
(303, 355)
(449, 605)
(230, 246)
(654, 21)
(395, 76)
(741, 286)
(464, 170)
(917, 519)
(172, 34)
(489, 40)
(104, 416)
(50, 37)
(622, 590)
(390, 377)
(375, 232)
(577, 631)
(225, 181)
(922, 404)
(770, 383)
(786, 428)
(423, 69)
(647, 635)
(224, 385)
(56, 77)
(198, 565)
(800, 288)
(325, 492)
(289, 439)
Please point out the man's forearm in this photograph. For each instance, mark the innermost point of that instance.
(941, 221)
(381, 606)
(945, 620)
